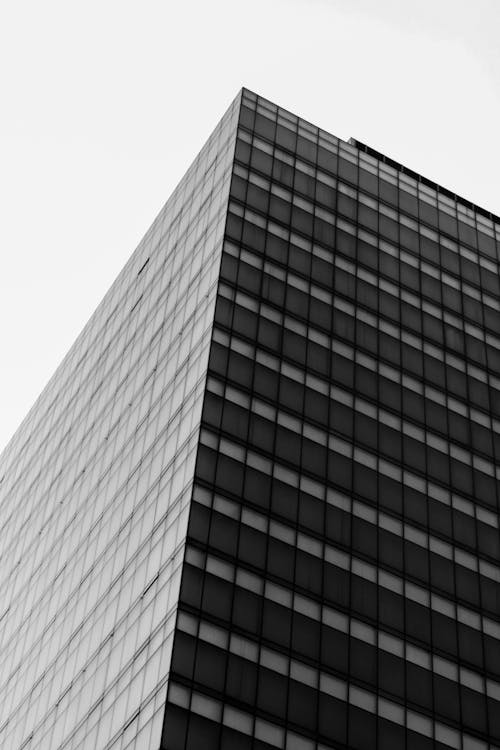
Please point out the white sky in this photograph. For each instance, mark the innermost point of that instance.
(104, 104)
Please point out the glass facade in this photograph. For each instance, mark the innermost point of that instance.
(95, 490)
(257, 505)
(340, 584)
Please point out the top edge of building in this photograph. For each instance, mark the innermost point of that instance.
(411, 177)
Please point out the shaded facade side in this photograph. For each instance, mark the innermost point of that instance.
(95, 489)
(340, 584)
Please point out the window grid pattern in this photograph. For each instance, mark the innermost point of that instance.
(340, 585)
(96, 484)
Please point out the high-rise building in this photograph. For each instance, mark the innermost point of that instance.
(257, 505)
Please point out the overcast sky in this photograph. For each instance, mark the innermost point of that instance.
(104, 104)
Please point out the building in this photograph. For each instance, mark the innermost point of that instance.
(257, 505)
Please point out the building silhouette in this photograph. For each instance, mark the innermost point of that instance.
(256, 506)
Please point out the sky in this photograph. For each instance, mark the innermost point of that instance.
(105, 103)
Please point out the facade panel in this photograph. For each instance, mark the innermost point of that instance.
(340, 587)
(96, 487)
